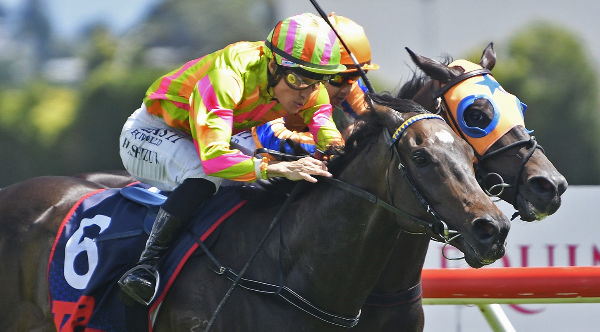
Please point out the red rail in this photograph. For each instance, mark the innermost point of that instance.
(544, 284)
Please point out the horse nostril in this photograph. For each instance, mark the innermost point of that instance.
(562, 186)
(542, 185)
(484, 230)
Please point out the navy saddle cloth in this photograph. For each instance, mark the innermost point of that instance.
(102, 237)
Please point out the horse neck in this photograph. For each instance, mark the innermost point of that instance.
(340, 241)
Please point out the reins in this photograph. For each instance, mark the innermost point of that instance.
(437, 230)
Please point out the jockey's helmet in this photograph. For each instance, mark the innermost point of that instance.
(305, 41)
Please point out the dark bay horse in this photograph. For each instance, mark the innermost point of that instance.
(331, 247)
(507, 155)
(534, 185)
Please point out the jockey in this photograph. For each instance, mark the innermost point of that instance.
(346, 94)
(179, 139)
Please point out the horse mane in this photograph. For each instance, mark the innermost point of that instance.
(409, 89)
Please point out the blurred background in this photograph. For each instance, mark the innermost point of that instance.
(72, 71)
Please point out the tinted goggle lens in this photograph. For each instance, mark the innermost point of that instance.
(339, 80)
(298, 82)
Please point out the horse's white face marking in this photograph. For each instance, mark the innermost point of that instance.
(444, 136)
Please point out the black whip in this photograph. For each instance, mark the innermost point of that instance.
(363, 75)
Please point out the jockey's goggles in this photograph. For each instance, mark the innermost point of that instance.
(339, 80)
(297, 82)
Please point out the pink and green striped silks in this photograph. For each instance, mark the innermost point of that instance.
(223, 93)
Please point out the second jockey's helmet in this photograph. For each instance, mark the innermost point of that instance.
(355, 38)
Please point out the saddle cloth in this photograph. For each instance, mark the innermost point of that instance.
(102, 237)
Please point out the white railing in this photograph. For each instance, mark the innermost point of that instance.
(489, 287)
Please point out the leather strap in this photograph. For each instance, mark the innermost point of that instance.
(458, 79)
(294, 299)
(395, 299)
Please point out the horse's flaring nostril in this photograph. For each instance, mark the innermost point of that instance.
(543, 186)
(484, 230)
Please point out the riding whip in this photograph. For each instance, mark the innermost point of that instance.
(363, 75)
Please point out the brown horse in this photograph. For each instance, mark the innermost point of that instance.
(397, 173)
(534, 185)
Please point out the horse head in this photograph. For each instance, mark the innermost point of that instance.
(510, 163)
(428, 163)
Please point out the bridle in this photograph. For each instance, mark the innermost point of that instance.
(531, 144)
(434, 226)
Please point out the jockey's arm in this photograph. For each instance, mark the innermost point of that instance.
(274, 134)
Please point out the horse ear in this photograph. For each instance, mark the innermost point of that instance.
(434, 69)
(488, 57)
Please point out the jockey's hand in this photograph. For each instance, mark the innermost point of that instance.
(301, 169)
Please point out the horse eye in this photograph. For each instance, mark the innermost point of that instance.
(420, 158)
(475, 117)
